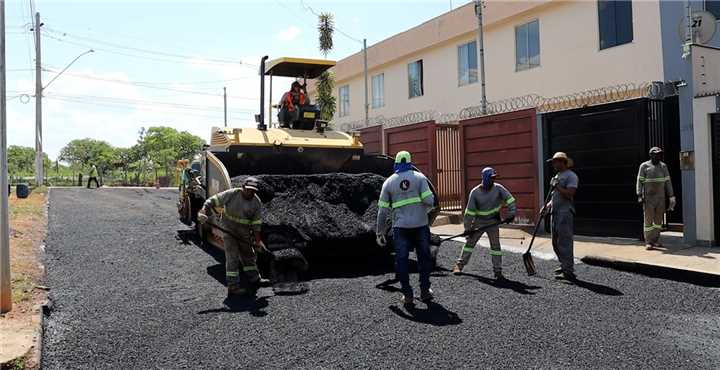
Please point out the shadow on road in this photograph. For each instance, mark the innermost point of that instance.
(513, 285)
(254, 306)
(597, 288)
(435, 314)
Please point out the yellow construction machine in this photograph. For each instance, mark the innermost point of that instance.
(303, 149)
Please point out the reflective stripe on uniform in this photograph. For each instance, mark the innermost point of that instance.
(383, 204)
(232, 273)
(426, 194)
(510, 200)
(496, 253)
(474, 212)
(468, 248)
(242, 221)
(652, 227)
(658, 179)
(405, 202)
(215, 202)
(249, 268)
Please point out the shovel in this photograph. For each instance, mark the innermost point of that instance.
(473, 231)
(226, 231)
(527, 257)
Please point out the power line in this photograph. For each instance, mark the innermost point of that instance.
(120, 100)
(198, 59)
(118, 107)
(147, 85)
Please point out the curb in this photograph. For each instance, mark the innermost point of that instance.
(705, 279)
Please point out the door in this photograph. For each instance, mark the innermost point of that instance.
(715, 128)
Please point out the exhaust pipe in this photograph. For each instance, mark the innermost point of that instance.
(260, 118)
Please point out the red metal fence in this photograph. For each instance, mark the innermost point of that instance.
(449, 183)
(418, 139)
(371, 137)
(506, 142)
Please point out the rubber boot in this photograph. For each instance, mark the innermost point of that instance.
(426, 295)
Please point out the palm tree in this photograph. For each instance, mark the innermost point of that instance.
(326, 82)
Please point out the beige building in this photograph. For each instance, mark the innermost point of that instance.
(548, 48)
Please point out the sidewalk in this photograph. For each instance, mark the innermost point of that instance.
(625, 254)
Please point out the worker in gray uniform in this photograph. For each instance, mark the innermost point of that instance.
(407, 196)
(239, 210)
(653, 185)
(483, 209)
(562, 214)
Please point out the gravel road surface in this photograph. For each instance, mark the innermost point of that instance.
(128, 293)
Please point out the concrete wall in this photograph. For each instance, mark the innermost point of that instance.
(704, 212)
(570, 60)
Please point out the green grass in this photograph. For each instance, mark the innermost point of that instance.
(22, 288)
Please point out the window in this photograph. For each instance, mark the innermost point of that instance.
(713, 6)
(344, 97)
(415, 79)
(527, 46)
(467, 64)
(378, 91)
(615, 22)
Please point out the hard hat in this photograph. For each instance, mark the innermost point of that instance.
(488, 171)
(403, 156)
(563, 156)
(250, 183)
(655, 150)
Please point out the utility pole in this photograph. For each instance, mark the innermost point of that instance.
(481, 55)
(367, 106)
(39, 176)
(225, 105)
(5, 290)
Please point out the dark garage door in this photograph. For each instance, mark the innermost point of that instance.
(608, 144)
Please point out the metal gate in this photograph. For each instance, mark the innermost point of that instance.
(371, 137)
(449, 167)
(507, 142)
(419, 140)
(663, 118)
(608, 143)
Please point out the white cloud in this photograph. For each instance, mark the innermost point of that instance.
(289, 34)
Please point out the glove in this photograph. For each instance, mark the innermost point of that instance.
(260, 247)
(380, 240)
(672, 204)
(640, 199)
(509, 219)
(202, 217)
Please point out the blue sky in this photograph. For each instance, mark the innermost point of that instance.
(164, 62)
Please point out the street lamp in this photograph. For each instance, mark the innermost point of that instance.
(39, 175)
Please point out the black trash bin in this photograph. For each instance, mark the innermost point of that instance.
(22, 191)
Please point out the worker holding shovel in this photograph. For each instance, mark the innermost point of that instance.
(241, 217)
(483, 213)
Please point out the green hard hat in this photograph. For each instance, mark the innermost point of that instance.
(403, 156)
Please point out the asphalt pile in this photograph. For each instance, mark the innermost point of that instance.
(320, 208)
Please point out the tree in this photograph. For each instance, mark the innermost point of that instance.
(326, 82)
(21, 160)
(164, 146)
(82, 153)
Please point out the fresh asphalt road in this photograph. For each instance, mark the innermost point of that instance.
(128, 293)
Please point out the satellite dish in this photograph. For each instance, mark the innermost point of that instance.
(703, 27)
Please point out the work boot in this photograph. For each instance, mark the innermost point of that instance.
(426, 295)
(558, 271)
(649, 247)
(457, 269)
(407, 299)
(499, 276)
(263, 282)
(566, 276)
(235, 290)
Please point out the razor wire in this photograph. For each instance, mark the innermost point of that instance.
(656, 90)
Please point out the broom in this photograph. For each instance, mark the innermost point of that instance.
(527, 257)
